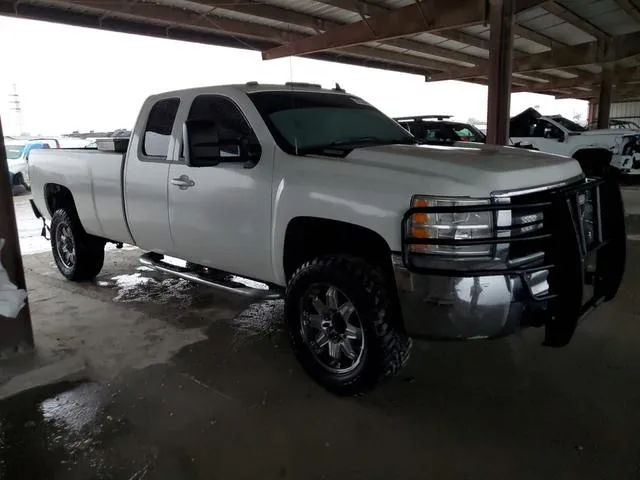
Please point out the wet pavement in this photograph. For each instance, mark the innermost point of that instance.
(188, 383)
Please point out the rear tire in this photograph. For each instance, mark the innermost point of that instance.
(78, 255)
(346, 355)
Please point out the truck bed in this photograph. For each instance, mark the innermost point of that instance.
(95, 179)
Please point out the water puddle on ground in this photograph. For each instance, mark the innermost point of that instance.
(259, 319)
(140, 288)
(45, 433)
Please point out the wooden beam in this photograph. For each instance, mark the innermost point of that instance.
(403, 21)
(576, 20)
(632, 9)
(618, 48)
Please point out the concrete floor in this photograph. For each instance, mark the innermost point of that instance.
(189, 383)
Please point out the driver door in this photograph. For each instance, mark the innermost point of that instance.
(220, 215)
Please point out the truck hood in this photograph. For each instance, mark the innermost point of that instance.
(616, 132)
(484, 168)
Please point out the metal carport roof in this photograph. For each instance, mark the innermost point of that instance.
(560, 45)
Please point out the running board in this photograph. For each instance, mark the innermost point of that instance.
(213, 278)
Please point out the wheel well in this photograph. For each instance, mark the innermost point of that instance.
(56, 197)
(310, 237)
(593, 156)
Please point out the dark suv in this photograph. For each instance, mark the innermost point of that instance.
(438, 129)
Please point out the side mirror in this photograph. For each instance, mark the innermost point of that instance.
(201, 143)
(561, 137)
(203, 146)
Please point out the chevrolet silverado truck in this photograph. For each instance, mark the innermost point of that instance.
(599, 152)
(313, 195)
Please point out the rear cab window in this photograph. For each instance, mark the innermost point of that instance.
(157, 132)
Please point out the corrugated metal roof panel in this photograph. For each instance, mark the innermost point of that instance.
(528, 46)
(566, 33)
(590, 68)
(530, 14)
(558, 73)
(392, 48)
(221, 12)
(317, 9)
(604, 14)
(432, 39)
(478, 52)
(477, 30)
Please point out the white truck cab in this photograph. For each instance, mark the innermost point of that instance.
(371, 238)
(597, 150)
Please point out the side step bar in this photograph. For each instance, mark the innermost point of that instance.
(213, 278)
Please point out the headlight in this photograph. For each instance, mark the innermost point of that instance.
(455, 225)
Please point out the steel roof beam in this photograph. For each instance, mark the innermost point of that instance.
(412, 19)
(631, 8)
(617, 48)
(620, 76)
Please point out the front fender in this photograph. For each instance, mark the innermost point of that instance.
(339, 199)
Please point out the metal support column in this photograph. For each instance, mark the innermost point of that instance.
(500, 66)
(16, 334)
(604, 102)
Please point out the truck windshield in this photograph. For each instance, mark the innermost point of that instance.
(14, 151)
(568, 124)
(309, 122)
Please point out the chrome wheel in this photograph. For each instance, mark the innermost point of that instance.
(65, 245)
(331, 328)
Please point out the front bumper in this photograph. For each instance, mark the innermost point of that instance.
(553, 275)
(448, 308)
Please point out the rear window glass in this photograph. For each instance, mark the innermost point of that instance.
(159, 126)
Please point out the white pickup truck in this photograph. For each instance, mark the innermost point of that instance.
(371, 238)
(598, 151)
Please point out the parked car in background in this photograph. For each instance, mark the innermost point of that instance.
(18, 157)
(438, 129)
(620, 123)
(370, 237)
(597, 151)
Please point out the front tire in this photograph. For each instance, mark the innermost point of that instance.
(340, 318)
(78, 255)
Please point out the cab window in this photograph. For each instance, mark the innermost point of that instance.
(157, 133)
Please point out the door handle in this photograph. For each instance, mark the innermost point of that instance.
(183, 182)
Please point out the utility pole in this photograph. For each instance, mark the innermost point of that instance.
(14, 101)
(16, 334)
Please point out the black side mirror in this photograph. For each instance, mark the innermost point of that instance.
(561, 137)
(204, 146)
(201, 143)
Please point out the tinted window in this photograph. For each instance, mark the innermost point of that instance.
(231, 125)
(544, 129)
(159, 125)
(303, 122)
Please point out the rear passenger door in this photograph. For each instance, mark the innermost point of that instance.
(146, 174)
